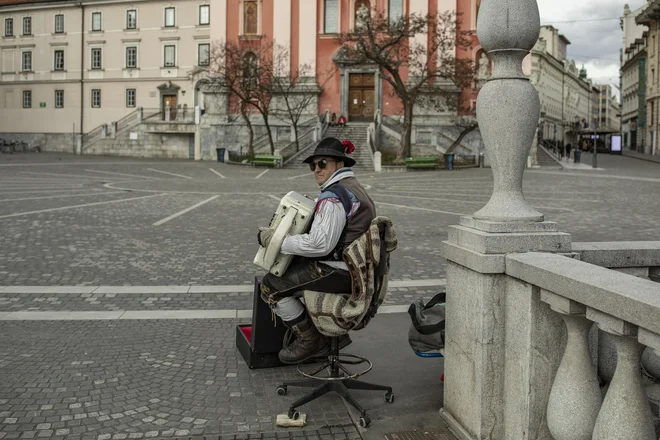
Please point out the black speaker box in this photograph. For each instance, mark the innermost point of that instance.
(260, 341)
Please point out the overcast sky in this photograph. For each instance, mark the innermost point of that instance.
(594, 43)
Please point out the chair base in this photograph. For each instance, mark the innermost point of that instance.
(339, 381)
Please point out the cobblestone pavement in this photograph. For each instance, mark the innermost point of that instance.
(110, 238)
(93, 221)
(132, 379)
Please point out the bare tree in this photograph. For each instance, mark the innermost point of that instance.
(467, 124)
(290, 89)
(416, 55)
(243, 68)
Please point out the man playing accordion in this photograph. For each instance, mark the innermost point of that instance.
(343, 212)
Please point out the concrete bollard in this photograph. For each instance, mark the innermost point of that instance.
(378, 157)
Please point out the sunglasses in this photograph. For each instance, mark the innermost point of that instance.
(321, 163)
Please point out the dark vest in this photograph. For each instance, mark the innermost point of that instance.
(359, 223)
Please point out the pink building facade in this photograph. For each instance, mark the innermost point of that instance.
(309, 28)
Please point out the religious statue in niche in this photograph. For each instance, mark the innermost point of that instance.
(483, 70)
(362, 14)
(250, 18)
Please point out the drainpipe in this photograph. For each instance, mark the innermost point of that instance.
(82, 71)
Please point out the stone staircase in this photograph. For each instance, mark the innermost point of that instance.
(356, 133)
(545, 159)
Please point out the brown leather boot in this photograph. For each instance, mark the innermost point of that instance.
(308, 343)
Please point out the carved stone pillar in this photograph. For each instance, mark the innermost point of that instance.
(503, 343)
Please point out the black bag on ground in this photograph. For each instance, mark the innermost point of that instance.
(427, 331)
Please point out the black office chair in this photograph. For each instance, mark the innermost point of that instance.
(340, 379)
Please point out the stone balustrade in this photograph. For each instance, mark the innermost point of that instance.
(522, 299)
(624, 306)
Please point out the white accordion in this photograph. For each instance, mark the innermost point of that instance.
(293, 217)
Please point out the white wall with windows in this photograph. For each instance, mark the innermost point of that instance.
(124, 60)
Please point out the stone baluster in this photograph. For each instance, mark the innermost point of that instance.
(651, 356)
(575, 398)
(625, 413)
(508, 105)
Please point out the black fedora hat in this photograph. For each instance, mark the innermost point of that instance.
(333, 147)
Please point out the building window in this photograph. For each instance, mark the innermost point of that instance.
(203, 54)
(59, 60)
(27, 98)
(169, 17)
(96, 98)
(250, 17)
(59, 24)
(130, 97)
(27, 25)
(170, 56)
(9, 27)
(131, 57)
(26, 65)
(96, 21)
(395, 10)
(96, 58)
(204, 14)
(59, 98)
(131, 19)
(330, 16)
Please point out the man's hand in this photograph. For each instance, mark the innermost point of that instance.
(265, 235)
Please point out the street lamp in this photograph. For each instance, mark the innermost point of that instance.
(594, 158)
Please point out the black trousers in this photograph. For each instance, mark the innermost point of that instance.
(305, 274)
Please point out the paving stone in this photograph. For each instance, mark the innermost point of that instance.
(156, 379)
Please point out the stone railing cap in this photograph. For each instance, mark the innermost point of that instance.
(617, 254)
(626, 297)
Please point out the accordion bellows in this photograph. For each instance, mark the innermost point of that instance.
(292, 217)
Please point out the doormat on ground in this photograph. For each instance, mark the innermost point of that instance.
(421, 435)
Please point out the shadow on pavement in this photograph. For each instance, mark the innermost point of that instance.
(418, 392)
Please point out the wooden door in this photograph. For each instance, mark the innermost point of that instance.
(171, 101)
(368, 104)
(362, 97)
(355, 105)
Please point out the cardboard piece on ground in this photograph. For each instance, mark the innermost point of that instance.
(286, 422)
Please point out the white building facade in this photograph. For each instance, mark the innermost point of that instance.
(633, 81)
(68, 67)
(564, 91)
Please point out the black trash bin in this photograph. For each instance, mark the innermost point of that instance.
(221, 154)
(578, 156)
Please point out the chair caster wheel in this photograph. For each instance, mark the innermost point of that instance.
(295, 415)
(365, 421)
(389, 397)
(281, 390)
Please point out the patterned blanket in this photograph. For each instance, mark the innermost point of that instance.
(368, 261)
